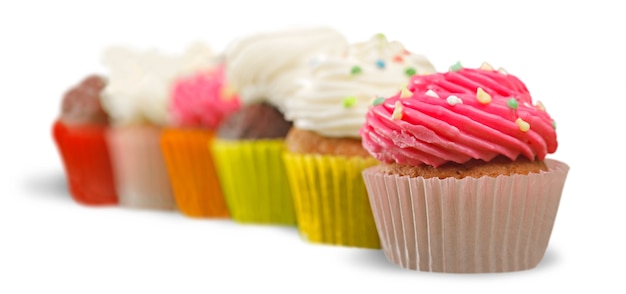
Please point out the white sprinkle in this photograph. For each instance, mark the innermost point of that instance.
(432, 93)
(453, 100)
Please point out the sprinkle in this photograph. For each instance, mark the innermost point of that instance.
(398, 58)
(380, 63)
(456, 67)
(227, 93)
(482, 96)
(512, 103)
(397, 111)
(554, 124)
(523, 126)
(406, 52)
(349, 101)
(378, 101)
(453, 100)
(381, 36)
(486, 66)
(502, 71)
(410, 71)
(355, 70)
(432, 93)
(405, 93)
(540, 106)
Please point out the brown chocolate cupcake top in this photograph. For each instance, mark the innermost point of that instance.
(81, 104)
(254, 122)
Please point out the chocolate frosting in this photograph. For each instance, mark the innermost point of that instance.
(253, 122)
(81, 104)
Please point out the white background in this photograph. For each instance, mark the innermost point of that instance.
(571, 57)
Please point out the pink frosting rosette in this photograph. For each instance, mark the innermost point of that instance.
(202, 100)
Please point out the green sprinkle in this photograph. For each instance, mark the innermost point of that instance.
(456, 67)
(378, 101)
(554, 124)
(349, 101)
(381, 36)
(512, 103)
(355, 70)
(410, 71)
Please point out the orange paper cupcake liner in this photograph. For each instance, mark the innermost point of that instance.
(85, 155)
(192, 172)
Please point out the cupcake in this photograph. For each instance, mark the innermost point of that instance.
(264, 69)
(136, 98)
(198, 105)
(80, 136)
(324, 157)
(463, 184)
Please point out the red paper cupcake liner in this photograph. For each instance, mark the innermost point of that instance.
(85, 155)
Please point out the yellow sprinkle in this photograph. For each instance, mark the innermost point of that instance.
(482, 96)
(486, 66)
(397, 111)
(523, 126)
(540, 106)
(405, 93)
(432, 93)
(503, 71)
(227, 93)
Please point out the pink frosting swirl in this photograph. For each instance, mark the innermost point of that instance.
(452, 123)
(467, 80)
(202, 100)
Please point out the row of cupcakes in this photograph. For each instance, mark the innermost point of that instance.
(285, 126)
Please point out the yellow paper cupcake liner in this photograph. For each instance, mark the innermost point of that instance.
(330, 199)
(192, 172)
(253, 179)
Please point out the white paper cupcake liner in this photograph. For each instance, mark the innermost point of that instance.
(470, 225)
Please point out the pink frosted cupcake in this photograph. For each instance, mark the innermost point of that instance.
(464, 184)
(136, 98)
(198, 105)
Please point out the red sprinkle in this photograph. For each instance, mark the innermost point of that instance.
(398, 58)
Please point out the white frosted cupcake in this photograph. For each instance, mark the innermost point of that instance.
(324, 156)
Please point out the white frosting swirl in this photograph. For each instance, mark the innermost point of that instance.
(266, 67)
(139, 83)
(340, 89)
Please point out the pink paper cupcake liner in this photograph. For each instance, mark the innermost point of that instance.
(141, 174)
(469, 225)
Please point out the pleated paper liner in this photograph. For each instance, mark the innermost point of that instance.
(471, 225)
(331, 202)
(253, 180)
(85, 155)
(139, 167)
(192, 172)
